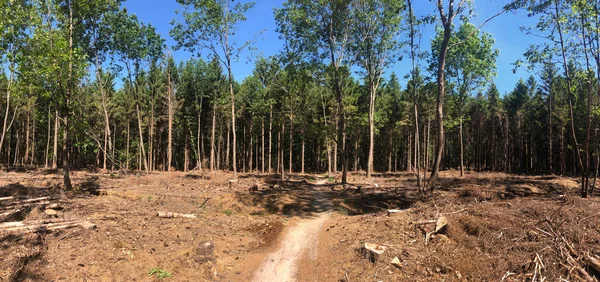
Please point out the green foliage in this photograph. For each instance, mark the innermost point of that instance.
(159, 273)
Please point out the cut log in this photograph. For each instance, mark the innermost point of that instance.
(51, 212)
(54, 206)
(396, 262)
(593, 263)
(373, 251)
(34, 200)
(440, 224)
(390, 212)
(174, 215)
(19, 227)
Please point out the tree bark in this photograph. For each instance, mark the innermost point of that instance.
(170, 108)
(447, 24)
(55, 147)
(212, 138)
(262, 151)
(70, 86)
(460, 136)
(291, 142)
(270, 137)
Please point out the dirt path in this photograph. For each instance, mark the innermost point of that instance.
(281, 265)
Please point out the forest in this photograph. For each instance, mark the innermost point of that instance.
(89, 85)
(374, 144)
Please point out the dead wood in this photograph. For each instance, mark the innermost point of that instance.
(174, 215)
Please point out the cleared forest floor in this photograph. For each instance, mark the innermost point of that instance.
(500, 226)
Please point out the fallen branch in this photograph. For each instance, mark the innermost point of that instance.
(174, 215)
(593, 263)
(19, 227)
(424, 222)
(6, 198)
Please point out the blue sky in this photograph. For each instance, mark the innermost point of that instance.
(505, 29)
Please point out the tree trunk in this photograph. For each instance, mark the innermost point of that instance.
(233, 149)
(371, 129)
(291, 142)
(127, 146)
(356, 154)
(6, 113)
(250, 163)
(427, 144)
(229, 148)
(186, 154)
(27, 129)
(170, 108)
(282, 158)
(262, 151)
(212, 138)
(409, 153)
(47, 140)
(55, 148)
(32, 159)
(66, 177)
(302, 167)
(270, 137)
(460, 135)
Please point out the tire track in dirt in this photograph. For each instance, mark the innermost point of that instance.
(281, 264)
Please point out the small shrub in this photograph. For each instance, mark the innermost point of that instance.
(228, 212)
(342, 210)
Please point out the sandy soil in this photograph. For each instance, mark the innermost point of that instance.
(500, 227)
(300, 240)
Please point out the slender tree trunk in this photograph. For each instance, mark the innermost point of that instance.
(32, 159)
(105, 149)
(170, 109)
(441, 83)
(570, 97)
(291, 142)
(460, 135)
(229, 148)
(250, 163)
(427, 144)
(390, 153)
(550, 158)
(328, 156)
(48, 140)
(356, 154)
(55, 148)
(151, 150)
(233, 149)
(27, 129)
(282, 158)
(66, 157)
(335, 152)
(302, 167)
(409, 153)
(371, 128)
(219, 146)
(270, 137)
(279, 151)
(212, 138)
(262, 151)
(127, 145)
(186, 154)
(6, 113)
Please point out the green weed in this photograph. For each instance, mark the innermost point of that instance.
(159, 273)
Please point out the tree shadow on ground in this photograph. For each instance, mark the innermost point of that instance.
(305, 199)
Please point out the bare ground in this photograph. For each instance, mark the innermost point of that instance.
(516, 228)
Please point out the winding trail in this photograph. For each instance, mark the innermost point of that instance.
(281, 265)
